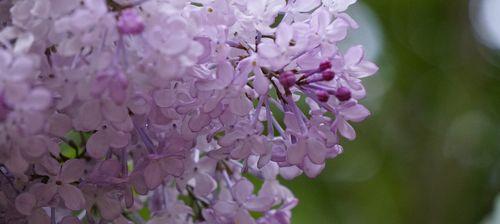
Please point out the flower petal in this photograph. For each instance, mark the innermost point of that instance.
(152, 175)
(98, 144)
(72, 170)
(25, 203)
(297, 152)
(110, 208)
(259, 204)
(243, 217)
(59, 124)
(316, 151)
(72, 197)
(172, 166)
(242, 190)
(205, 185)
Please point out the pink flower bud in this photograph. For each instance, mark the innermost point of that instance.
(130, 23)
(287, 79)
(343, 94)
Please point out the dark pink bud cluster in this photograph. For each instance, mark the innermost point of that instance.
(343, 94)
(130, 22)
(287, 79)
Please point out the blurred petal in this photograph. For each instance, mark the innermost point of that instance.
(59, 124)
(355, 113)
(316, 151)
(297, 152)
(243, 217)
(205, 185)
(72, 170)
(346, 129)
(39, 216)
(25, 203)
(72, 197)
(225, 207)
(354, 55)
(152, 175)
(312, 170)
(98, 144)
(89, 115)
(110, 208)
(259, 204)
(261, 83)
(242, 190)
(164, 97)
(172, 166)
(70, 220)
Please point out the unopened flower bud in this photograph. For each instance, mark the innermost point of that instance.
(130, 23)
(287, 79)
(343, 94)
(328, 75)
(325, 65)
(322, 95)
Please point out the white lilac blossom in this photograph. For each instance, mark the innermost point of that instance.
(111, 107)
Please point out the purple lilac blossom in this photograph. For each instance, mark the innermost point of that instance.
(111, 107)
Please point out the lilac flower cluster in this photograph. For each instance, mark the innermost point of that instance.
(111, 108)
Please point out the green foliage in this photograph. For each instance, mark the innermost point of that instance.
(430, 152)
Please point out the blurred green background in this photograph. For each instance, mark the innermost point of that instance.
(431, 151)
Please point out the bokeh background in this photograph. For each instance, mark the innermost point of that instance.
(431, 151)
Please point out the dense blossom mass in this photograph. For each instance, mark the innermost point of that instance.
(169, 111)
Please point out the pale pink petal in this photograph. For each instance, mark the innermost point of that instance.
(113, 112)
(240, 105)
(110, 208)
(43, 192)
(320, 20)
(153, 175)
(261, 83)
(25, 203)
(354, 55)
(198, 122)
(259, 204)
(243, 217)
(38, 99)
(205, 185)
(316, 151)
(296, 153)
(256, 7)
(290, 172)
(225, 207)
(355, 113)
(241, 151)
(346, 129)
(268, 49)
(172, 166)
(364, 69)
(291, 123)
(72, 197)
(117, 139)
(225, 74)
(98, 144)
(284, 35)
(70, 220)
(16, 163)
(312, 170)
(34, 147)
(89, 115)
(59, 124)
(137, 180)
(39, 216)
(164, 97)
(242, 190)
(72, 170)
